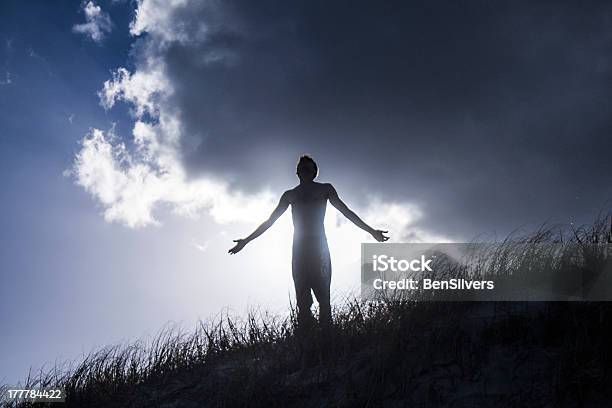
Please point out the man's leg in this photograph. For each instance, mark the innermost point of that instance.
(321, 284)
(304, 302)
(322, 292)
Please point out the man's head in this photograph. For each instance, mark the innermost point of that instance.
(307, 168)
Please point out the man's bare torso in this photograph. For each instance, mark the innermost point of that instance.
(308, 203)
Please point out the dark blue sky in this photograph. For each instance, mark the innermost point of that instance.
(437, 120)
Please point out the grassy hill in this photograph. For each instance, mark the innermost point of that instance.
(394, 353)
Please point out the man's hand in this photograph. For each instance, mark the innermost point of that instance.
(240, 243)
(379, 235)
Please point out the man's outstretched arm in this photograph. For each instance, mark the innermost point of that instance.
(278, 211)
(348, 213)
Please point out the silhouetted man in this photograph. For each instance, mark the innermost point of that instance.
(311, 264)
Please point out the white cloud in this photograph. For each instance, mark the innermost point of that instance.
(142, 90)
(97, 23)
(131, 185)
(163, 19)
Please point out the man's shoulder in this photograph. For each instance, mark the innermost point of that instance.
(324, 186)
(327, 188)
(289, 194)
